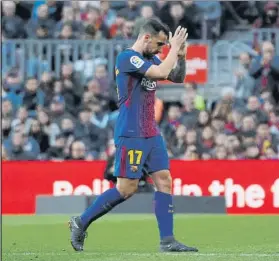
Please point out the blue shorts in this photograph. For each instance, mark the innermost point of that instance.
(132, 154)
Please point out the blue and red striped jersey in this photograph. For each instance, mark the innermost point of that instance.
(136, 96)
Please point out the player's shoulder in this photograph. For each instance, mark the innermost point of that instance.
(128, 53)
(130, 56)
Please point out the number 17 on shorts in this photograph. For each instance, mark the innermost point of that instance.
(130, 156)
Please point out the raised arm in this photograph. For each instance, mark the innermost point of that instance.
(163, 70)
(178, 74)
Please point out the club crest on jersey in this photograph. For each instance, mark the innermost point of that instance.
(148, 85)
(136, 61)
(134, 168)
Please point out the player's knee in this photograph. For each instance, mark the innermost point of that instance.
(163, 181)
(127, 187)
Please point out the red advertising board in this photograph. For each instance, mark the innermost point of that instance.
(196, 65)
(250, 187)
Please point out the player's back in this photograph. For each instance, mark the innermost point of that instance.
(136, 96)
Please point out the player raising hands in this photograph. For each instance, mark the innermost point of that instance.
(137, 137)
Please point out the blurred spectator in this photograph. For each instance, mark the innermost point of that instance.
(90, 134)
(22, 119)
(274, 122)
(234, 119)
(211, 12)
(39, 135)
(131, 11)
(56, 151)
(207, 139)
(43, 27)
(7, 109)
(32, 97)
(220, 139)
(232, 12)
(248, 124)
(12, 25)
(218, 124)
(252, 151)
(126, 30)
(189, 113)
(94, 21)
(101, 75)
(16, 150)
(77, 151)
(23, 9)
(265, 139)
(108, 15)
(253, 108)
(116, 27)
(221, 153)
(265, 69)
(233, 147)
(50, 128)
(177, 144)
(193, 12)
(270, 17)
(67, 130)
(13, 82)
(191, 153)
(68, 18)
(55, 9)
(244, 83)
(66, 32)
(176, 16)
(95, 95)
(84, 5)
(191, 90)
(47, 85)
(146, 12)
(71, 81)
(6, 127)
(203, 119)
(172, 122)
(270, 154)
(191, 137)
(160, 8)
(100, 116)
(57, 110)
(227, 102)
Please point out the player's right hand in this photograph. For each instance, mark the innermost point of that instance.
(180, 36)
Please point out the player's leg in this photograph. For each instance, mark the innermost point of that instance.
(158, 165)
(129, 161)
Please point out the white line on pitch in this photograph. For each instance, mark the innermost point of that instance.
(142, 254)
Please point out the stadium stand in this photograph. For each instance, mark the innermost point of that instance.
(58, 95)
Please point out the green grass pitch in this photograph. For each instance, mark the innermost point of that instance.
(135, 238)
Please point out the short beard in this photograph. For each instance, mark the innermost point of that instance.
(148, 55)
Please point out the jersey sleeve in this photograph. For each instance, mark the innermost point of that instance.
(157, 60)
(131, 62)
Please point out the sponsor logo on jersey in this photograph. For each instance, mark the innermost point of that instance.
(136, 61)
(148, 85)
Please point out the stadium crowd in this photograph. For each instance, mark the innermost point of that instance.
(65, 118)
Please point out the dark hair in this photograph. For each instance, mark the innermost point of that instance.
(154, 26)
